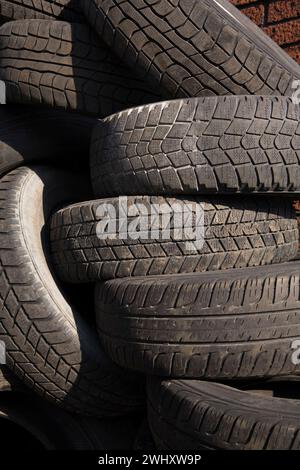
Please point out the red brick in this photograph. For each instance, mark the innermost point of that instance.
(280, 19)
(284, 33)
(256, 14)
(283, 9)
(294, 52)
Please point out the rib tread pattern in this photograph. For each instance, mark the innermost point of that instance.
(195, 415)
(228, 325)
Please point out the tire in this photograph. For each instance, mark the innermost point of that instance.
(37, 425)
(237, 233)
(49, 346)
(144, 440)
(33, 135)
(65, 65)
(193, 48)
(9, 382)
(195, 415)
(234, 144)
(68, 10)
(230, 325)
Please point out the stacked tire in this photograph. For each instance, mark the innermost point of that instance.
(180, 104)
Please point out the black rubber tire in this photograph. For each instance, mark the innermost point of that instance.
(238, 233)
(46, 427)
(55, 429)
(235, 324)
(68, 10)
(144, 440)
(195, 415)
(65, 65)
(49, 346)
(193, 47)
(9, 382)
(30, 134)
(232, 144)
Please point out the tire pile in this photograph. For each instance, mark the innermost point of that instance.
(176, 101)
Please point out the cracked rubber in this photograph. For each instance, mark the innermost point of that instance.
(49, 346)
(235, 324)
(237, 233)
(68, 10)
(29, 134)
(193, 47)
(65, 65)
(232, 144)
(195, 415)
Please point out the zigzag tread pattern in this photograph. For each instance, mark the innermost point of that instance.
(236, 144)
(236, 234)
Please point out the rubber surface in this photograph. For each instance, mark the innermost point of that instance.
(193, 47)
(68, 10)
(49, 346)
(65, 65)
(195, 415)
(29, 134)
(235, 324)
(144, 440)
(54, 429)
(236, 233)
(236, 144)
(9, 382)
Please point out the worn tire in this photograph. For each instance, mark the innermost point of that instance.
(195, 415)
(193, 47)
(49, 346)
(65, 65)
(33, 135)
(237, 233)
(230, 325)
(236, 144)
(68, 10)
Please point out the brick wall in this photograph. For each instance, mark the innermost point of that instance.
(279, 18)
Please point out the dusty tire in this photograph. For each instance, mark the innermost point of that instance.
(238, 233)
(195, 415)
(202, 145)
(33, 135)
(68, 10)
(235, 324)
(193, 47)
(49, 346)
(65, 65)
